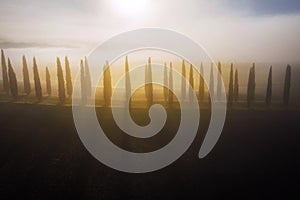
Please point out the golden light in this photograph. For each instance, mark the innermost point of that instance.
(131, 8)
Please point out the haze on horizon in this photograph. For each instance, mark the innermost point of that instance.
(244, 31)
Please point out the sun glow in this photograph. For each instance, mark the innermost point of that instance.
(131, 8)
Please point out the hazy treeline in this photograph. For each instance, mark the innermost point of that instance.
(65, 85)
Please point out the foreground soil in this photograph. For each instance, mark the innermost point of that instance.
(41, 156)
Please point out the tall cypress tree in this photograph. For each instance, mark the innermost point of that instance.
(48, 82)
(37, 81)
(287, 85)
(69, 84)
(269, 88)
(171, 84)
(219, 83)
(191, 81)
(150, 85)
(236, 85)
(88, 82)
(26, 80)
(201, 83)
(212, 83)
(4, 73)
(12, 81)
(183, 81)
(165, 89)
(127, 80)
(230, 90)
(61, 82)
(107, 87)
(82, 84)
(251, 86)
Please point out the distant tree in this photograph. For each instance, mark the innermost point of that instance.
(82, 84)
(61, 82)
(48, 82)
(171, 85)
(26, 80)
(251, 86)
(219, 83)
(107, 87)
(37, 81)
(148, 80)
(12, 81)
(287, 85)
(269, 88)
(201, 83)
(230, 90)
(236, 86)
(183, 81)
(166, 90)
(4, 73)
(127, 80)
(212, 83)
(191, 81)
(88, 81)
(69, 84)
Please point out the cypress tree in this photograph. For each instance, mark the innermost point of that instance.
(183, 81)
(171, 84)
(61, 82)
(269, 88)
(287, 85)
(201, 83)
(230, 90)
(82, 84)
(107, 87)
(236, 86)
(166, 90)
(37, 81)
(219, 83)
(212, 83)
(48, 82)
(127, 80)
(12, 81)
(148, 82)
(26, 80)
(4, 73)
(69, 84)
(88, 82)
(191, 81)
(251, 86)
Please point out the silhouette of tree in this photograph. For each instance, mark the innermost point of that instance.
(269, 88)
(219, 83)
(171, 84)
(127, 80)
(107, 87)
(4, 73)
(287, 85)
(183, 81)
(236, 86)
(69, 84)
(148, 80)
(191, 81)
(166, 90)
(251, 86)
(82, 84)
(212, 83)
(26, 80)
(12, 81)
(37, 81)
(48, 82)
(201, 83)
(230, 90)
(88, 82)
(61, 82)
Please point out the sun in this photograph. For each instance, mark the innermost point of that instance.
(131, 8)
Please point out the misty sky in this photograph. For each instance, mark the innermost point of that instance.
(245, 30)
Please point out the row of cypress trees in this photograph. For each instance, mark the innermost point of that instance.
(10, 84)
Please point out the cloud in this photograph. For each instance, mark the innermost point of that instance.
(21, 45)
